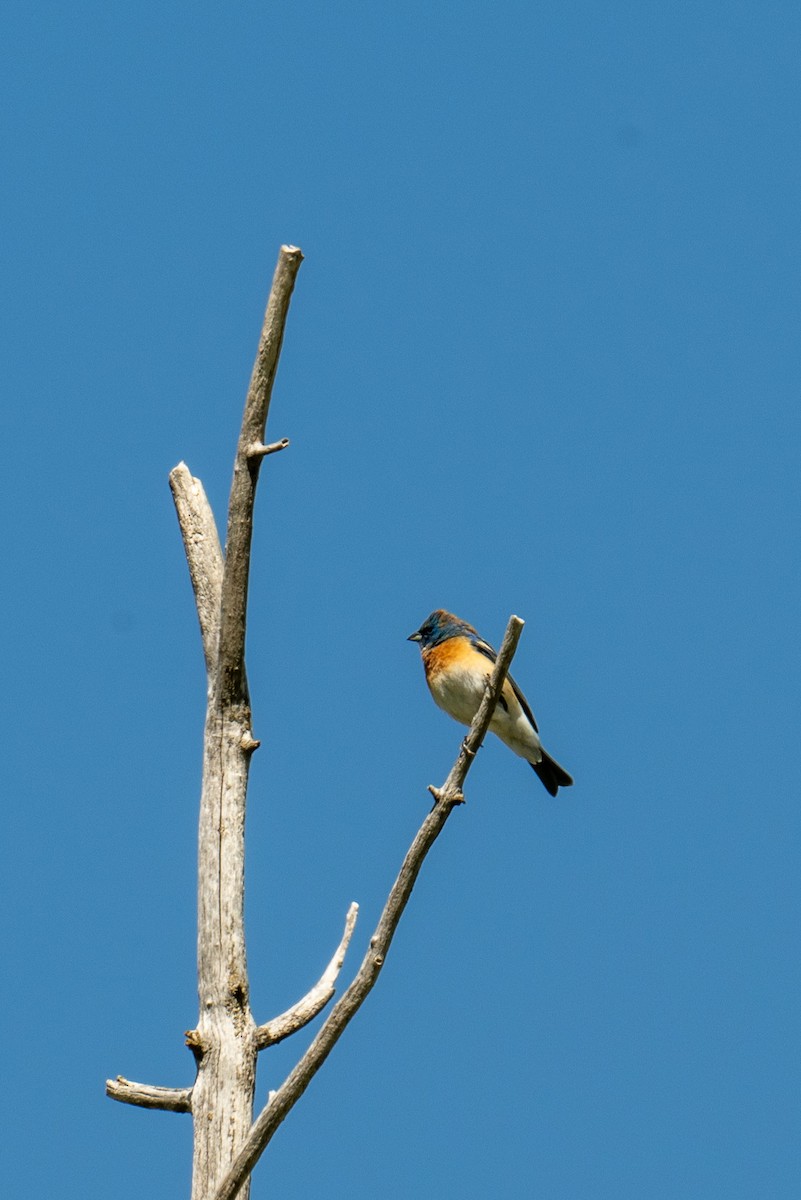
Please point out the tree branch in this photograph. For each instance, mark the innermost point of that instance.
(445, 799)
(203, 554)
(246, 474)
(146, 1096)
(315, 1000)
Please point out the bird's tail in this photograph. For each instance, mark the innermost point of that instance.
(551, 775)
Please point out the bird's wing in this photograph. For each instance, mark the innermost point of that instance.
(484, 648)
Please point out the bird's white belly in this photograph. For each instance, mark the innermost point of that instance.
(459, 693)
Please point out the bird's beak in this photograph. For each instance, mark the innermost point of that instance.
(415, 637)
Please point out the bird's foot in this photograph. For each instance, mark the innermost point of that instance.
(468, 750)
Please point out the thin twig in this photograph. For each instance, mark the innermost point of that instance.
(144, 1095)
(246, 474)
(203, 554)
(315, 1000)
(446, 798)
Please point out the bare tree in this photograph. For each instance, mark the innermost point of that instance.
(226, 1042)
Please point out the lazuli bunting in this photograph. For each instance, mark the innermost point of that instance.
(458, 664)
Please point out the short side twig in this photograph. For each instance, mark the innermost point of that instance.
(146, 1096)
(447, 797)
(259, 450)
(203, 554)
(314, 1001)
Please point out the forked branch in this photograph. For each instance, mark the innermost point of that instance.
(445, 799)
(227, 1142)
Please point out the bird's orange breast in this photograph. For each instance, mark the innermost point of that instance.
(447, 656)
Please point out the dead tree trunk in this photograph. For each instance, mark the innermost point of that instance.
(226, 1041)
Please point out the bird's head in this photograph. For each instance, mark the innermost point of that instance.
(439, 627)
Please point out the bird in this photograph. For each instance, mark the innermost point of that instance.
(458, 663)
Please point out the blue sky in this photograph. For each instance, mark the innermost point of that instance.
(542, 358)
